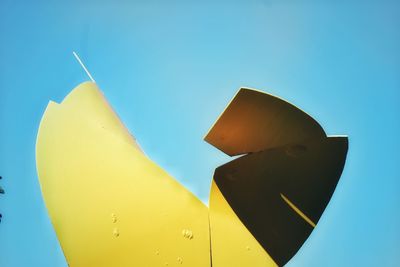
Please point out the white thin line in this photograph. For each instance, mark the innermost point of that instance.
(83, 66)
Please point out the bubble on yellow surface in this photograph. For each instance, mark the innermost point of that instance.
(179, 259)
(114, 218)
(116, 232)
(187, 234)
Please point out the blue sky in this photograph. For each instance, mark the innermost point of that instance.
(170, 69)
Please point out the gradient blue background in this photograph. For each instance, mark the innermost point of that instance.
(169, 69)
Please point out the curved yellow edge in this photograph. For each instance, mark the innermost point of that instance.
(110, 205)
(232, 245)
(88, 101)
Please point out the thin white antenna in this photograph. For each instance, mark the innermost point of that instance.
(83, 66)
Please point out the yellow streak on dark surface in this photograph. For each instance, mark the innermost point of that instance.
(297, 210)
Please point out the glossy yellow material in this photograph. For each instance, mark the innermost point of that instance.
(231, 243)
(111, 205)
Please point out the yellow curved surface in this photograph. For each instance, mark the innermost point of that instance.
(231, 243)
(110, 205)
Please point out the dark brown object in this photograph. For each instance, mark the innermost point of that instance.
(289, 156)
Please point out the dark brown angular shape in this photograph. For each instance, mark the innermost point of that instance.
(255, 121)
(280, 189)
(253, 184)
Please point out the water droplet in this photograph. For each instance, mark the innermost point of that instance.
(179, 259)
(187, 234)
(166, 264)
(116, 232)
(157, 252)
(247, 248)
(114, 218)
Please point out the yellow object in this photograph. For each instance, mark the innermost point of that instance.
(231, 243)
(298, 211)
(111, 205)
